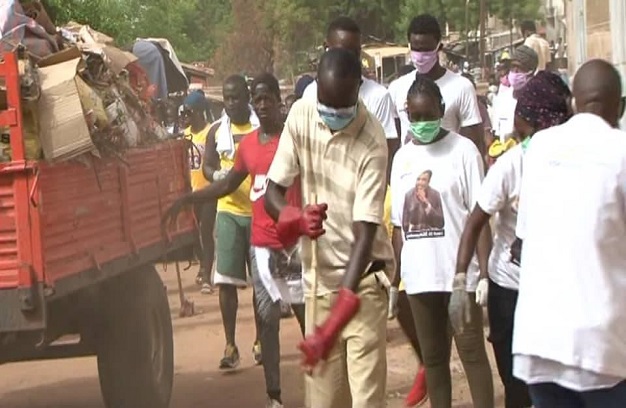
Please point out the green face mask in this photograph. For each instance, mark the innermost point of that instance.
(425, 132)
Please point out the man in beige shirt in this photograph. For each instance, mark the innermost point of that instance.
(338, 150)
(537, 43)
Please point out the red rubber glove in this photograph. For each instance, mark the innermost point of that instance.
(294, 223)
(317, 346)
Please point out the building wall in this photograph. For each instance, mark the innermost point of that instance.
(594, 38)
(599, 44)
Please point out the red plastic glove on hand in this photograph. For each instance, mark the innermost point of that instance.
(294, 223)
(317, 346)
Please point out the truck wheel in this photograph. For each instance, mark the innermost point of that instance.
(135, 342)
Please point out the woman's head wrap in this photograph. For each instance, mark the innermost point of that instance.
(544, 101)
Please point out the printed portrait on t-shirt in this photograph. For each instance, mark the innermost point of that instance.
(423, 211)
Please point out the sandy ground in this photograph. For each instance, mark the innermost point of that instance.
(199, 342)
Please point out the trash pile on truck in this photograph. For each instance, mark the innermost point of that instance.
(80, 94)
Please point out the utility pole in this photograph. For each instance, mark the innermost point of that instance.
(467, 30)
(483, 21)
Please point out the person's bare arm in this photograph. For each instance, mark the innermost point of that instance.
(219, 188)
(392, 146)
(211, 160)
(475, 133)
(275, 199)
(476, 239)
(397, 242)
(360, 255)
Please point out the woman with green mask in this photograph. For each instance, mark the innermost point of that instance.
(435, 179)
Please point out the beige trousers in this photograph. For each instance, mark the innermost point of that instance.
(355, 374)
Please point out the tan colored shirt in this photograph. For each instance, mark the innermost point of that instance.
(542, 48)
(347, 170)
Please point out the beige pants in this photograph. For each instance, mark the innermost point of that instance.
(355, 373)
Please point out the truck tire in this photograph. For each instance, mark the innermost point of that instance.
(135, 343)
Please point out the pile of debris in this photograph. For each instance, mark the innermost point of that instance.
(80, 93)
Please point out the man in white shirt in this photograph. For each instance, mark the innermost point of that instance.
(569, 341)
(537, 43)
(461, 105)
(343, 32)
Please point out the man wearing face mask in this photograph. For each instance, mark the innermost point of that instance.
(338, 150)
(523, 67)
(343, 32)
(462, 114)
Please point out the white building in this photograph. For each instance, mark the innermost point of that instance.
(597, 29)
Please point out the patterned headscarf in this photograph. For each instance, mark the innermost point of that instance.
(544, 101)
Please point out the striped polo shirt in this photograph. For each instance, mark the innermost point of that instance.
(347, 170)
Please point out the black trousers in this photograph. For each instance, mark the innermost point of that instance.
(205, 241)
(501, 308)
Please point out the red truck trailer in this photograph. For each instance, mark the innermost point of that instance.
(77, 248)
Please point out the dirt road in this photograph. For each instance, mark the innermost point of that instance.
(199, 343)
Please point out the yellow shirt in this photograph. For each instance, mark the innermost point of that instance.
(387, 219)
(198, 181)
(238, 203)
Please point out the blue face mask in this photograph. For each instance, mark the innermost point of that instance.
(336, 119)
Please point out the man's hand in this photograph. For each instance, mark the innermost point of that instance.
(170, 216)
(393, 303)
(421, 195)
(317, 346)
(482, 292)
(460, 304)
(294, 223)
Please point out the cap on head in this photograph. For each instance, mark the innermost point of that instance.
(424, 24)
(526, 57)
(196, 100)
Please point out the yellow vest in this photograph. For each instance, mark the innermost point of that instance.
(238, 203)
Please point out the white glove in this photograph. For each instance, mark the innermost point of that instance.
(220, 174)
(459, 308)
(482, 292)
(393, 303)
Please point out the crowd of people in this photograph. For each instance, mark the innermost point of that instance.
(366, 204)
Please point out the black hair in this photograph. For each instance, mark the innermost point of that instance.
(528, 26)
(425, 85)
(341, 62)
(425, 24)
(269, 81)
(343, 23)
(238, 81)
(429, 173)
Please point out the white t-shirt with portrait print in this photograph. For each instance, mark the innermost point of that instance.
(432, 225)
(458, 95)
(499, 197)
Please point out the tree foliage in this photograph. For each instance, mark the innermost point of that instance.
(267, 35)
